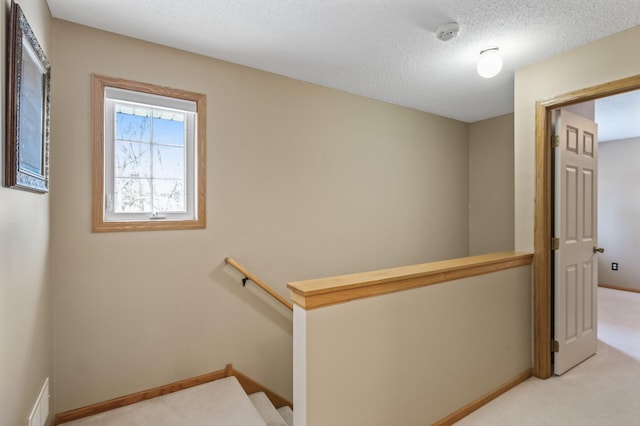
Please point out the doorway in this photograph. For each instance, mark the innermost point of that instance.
(542, 280)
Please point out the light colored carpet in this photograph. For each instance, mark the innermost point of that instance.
(266, 409)
(603, 390)
(222, 402)
(287, 414)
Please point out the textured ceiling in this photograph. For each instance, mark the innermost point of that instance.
(381, 49)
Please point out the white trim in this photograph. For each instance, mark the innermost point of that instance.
(114, 96)
(300, 327)
(149, 99)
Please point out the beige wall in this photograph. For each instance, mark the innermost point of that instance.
(302, 182)
(605, 60)
(26, 331)
(491, 185)
(412, 357)
(618, 212)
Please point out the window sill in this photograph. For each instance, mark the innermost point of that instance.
(155, 225)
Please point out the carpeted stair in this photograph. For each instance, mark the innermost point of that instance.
(221, 403)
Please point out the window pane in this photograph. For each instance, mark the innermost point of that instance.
(168, 195)
(169, 132)
(132, 195)
(132, 159)
(134, 125)
(168, 162)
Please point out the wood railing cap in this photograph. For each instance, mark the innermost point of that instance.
(315, 293)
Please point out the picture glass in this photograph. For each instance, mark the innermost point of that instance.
(31, 114)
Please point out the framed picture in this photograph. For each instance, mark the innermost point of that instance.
(28, 81)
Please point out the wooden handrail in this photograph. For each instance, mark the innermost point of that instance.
(258, 282)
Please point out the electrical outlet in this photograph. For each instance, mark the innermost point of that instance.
(614, 266)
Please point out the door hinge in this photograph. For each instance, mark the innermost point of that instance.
(555, 346)
(555, 244)
(555, 141)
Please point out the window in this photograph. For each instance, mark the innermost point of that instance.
(148, 157)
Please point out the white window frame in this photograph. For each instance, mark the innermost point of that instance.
(107, 93)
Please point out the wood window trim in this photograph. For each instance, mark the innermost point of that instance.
(98, 224)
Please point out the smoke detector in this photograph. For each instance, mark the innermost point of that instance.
(448, 31)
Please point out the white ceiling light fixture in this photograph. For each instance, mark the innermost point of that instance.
(490, 63)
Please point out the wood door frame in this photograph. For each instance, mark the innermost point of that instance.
(542, 265)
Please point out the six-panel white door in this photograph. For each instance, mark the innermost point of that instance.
(576, 227)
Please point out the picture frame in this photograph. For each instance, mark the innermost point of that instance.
(28, 99)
